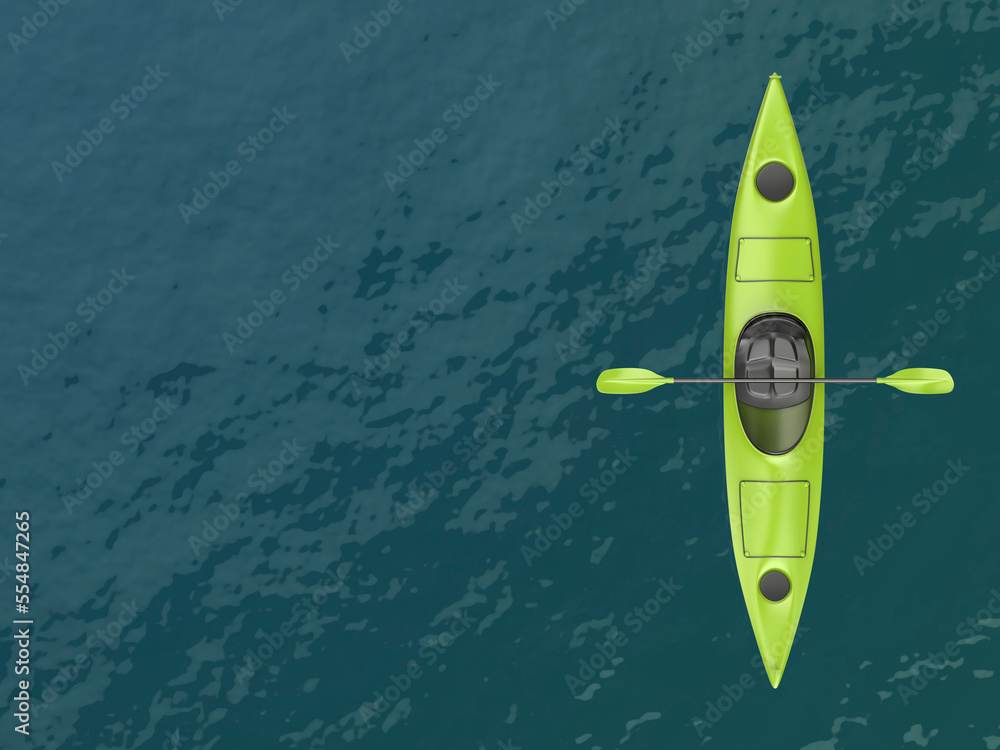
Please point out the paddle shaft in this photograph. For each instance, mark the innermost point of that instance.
(775, 380)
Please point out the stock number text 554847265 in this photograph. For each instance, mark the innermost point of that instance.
(22, 592)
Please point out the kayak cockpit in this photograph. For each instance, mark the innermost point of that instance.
(774, 415)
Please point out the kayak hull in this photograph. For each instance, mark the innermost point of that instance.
(774, 494)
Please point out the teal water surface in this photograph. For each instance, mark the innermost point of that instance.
(304, 307)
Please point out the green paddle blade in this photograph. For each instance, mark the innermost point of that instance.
(924, 380)
(629, 380)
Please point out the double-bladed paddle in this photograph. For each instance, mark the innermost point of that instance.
(923, 380)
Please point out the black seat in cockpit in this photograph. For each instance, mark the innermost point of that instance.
(774, 415)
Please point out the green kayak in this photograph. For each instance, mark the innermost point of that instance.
(774, 431)
(773, 381)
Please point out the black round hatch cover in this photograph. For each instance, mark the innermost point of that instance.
(775, 182)
(775, 586)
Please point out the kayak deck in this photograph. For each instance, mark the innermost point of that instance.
(774, 437)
